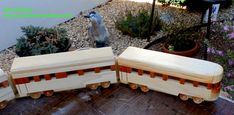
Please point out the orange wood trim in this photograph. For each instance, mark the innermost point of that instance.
(209, 86)
(152, 75)
(129, 70)
(60, 75)
(113, 68)
(21, 80)
(140, 72)
(165, 77)
(5, 84)
(36, 78)
(123, 69)
(47, 77)
(216, 88)
(195, 83)
(182, 81)
(80, 72)
(97, 70)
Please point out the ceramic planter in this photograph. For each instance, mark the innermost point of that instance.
(188, 53)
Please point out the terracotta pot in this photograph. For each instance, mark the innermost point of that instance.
(188, 53)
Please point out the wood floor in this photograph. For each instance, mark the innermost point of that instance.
(119, 99)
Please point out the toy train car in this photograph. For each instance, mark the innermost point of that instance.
(176, 75)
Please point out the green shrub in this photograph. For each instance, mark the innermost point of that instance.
(138, 26)
(173, 2)
(38, 40)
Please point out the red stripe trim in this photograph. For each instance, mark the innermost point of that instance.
(80, 72)
(140, 72)
(195, 83)
(60, 75)
(182, 81)
(97, 70)
(36, 78)
(113, 68)
(21, 80)
(47, 77)
(152, 75)
(165, 77)
(5, 84)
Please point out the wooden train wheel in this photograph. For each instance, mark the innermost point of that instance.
(92, 86)
(105, 84)
(35, 95)
(48, 93)
(133, 86)
(144, 88)
(184, 97)
(3, 104)
(197, 100)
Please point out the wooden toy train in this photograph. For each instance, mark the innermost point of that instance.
(176, 75)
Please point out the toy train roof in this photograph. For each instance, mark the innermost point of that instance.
(182, 67)
(61, 62)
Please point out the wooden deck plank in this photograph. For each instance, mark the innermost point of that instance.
(116, 100)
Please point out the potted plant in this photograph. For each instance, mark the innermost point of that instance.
(182, 43)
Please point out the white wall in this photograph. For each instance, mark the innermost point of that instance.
(10, 28)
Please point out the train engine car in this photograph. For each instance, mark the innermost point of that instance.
(45, 74)
(176, 75)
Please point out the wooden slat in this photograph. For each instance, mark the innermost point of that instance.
(47, 77)
(140, 72)
(60, 75)
(80, 72)
(21, 80)
(5, 84)
(36, 78)
(216, 88)
(182, 81)
(123, 69)
(113, 68)
(195, 83)
(97, 70)
(209, 86)
(165, 77)
(152, 75)
(129, 70)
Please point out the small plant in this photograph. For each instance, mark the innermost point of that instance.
(173, 2)
(182, 40)
(38, 40)
(138, 26)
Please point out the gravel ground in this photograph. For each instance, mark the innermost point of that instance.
(111, 12)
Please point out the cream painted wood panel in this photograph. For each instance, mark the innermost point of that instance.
(171, 86)
(71, 82)
(182, 67)
(2, 76)
(5, 93)
(60, 62)
(123, 77)
(22, 90)
(64, 62)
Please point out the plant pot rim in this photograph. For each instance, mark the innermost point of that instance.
(188, 53)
